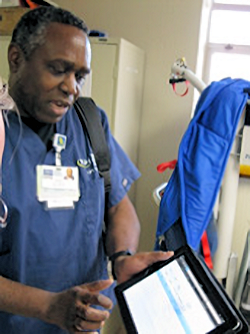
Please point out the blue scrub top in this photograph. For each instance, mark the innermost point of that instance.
(55, 249)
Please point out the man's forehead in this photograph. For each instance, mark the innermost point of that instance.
(56, 31)
(65, 42)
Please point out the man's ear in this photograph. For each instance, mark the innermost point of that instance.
(15, 57)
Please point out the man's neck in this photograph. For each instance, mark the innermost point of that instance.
(44, 130)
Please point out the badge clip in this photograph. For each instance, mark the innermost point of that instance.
(59, 144)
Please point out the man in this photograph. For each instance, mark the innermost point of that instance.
(69, 174)
(52, 260)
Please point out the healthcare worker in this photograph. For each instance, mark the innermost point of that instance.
(53, 268)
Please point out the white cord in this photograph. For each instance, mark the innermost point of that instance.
(8, 105)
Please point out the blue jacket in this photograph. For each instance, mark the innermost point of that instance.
(203, 153)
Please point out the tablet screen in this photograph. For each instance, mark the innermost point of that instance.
(171, 298)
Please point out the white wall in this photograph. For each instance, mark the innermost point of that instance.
(166, 30)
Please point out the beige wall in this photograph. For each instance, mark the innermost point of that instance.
(166, 30)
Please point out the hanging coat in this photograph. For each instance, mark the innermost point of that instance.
(191, 192)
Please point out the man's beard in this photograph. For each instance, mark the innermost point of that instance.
(21, 98)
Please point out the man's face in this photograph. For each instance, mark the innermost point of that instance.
(69, 172)
(47, 84)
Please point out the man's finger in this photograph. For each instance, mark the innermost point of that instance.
(80, 330)
(98, 285)
(94, 298)
(90, 314)
(153, 257)
(86, 326)
(86, 332)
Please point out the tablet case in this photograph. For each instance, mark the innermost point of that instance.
(202, 271)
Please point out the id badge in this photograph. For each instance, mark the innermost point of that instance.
(57, 186)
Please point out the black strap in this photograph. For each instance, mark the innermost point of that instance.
(90, 119)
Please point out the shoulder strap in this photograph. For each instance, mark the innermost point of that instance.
(91, 122)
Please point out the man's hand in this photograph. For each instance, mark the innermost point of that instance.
(127, 266)
(72, 309)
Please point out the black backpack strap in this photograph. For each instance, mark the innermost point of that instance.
(90, 119)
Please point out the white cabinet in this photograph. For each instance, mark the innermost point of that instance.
(117, 86)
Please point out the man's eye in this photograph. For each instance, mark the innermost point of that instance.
(80, 79)
(56, 70)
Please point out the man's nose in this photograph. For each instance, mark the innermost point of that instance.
(69, 85)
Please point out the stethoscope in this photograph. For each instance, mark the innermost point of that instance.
(3, 207)
(4, 215)
(6, 103)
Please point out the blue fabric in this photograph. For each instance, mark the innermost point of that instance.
(56, 249)
(203, 153)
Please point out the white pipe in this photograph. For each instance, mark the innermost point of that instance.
(227, 209)
(184, 72)
(244, 267)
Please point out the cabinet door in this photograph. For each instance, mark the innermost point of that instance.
(103, 66)
(4, 66)
(129, 98)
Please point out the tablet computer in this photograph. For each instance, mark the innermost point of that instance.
(179, 296)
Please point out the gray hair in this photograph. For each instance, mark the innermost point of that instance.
(30, 31)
